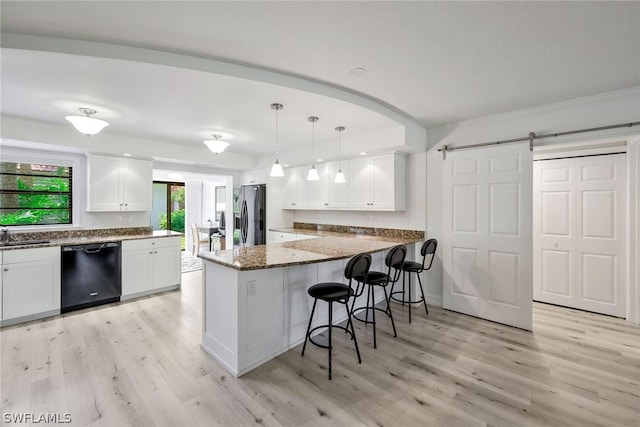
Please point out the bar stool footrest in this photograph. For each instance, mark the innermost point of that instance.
(403, 301)
(327, 326)
(357, 309)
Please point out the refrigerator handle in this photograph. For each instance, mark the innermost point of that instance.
(244, 221)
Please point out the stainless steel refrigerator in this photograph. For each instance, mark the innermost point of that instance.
(251, 215)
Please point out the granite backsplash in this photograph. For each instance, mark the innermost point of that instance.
(72, 234)
(369, 231)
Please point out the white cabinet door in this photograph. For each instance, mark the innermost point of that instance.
(258, 176)
(338, 192)
(360, 183)
(318, 191)
(166, 266)
(31, 284)
(118, 184)
(302, 188)
(136, 178)
(487, 244)
(149, 264)
(289, 189)
(579, 233)
(383, 182)
(103, 184)
(136, 271)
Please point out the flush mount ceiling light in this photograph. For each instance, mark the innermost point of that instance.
(340, 176)
(276, 169)
(313, 172)
(87, 124)
(216, 145)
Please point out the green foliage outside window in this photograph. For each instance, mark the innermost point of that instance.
(177, 221)
(35, 194)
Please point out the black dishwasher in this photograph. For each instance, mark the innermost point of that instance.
(91, 275)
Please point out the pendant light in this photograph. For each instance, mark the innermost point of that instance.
(216, 144)
(87, 124)
(276, 169)
(313, 172)
(340, 176)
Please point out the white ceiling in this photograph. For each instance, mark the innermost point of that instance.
(436, 62)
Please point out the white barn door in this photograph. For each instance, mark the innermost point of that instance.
(487, 245)
(579, 233)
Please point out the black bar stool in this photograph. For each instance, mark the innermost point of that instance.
(428, 248)
(330, 292)
(395, 257)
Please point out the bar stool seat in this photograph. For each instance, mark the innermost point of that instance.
(395, 256)
(330, 292)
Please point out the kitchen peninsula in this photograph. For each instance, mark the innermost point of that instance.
(255, 302)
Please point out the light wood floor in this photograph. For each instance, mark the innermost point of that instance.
(139, 363)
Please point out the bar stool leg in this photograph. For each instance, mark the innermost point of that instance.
(330, 328)
(353, 331)
(389, 311)
(422, 292)
(403, 290)
(409, 298)
(373, 314)
(306, 337)
(366, 316)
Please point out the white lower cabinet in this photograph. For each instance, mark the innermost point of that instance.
(30, 284)
(150, 265)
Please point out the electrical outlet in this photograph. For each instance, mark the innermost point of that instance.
(251, 288)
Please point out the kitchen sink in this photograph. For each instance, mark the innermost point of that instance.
(22, 243)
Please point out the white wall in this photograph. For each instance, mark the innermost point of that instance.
(606, 109)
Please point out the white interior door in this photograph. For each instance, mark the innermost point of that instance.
(579, 233)
(487, 245)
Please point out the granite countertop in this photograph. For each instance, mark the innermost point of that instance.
(60, 239)
(330, 245)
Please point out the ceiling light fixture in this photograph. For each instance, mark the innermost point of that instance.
(87, 124)
(313, 172)
(340, 176)
(216, 145)
(276, 169)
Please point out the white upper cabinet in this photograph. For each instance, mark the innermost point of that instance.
(378, 183)
(338, 192)
(258, 176)
(118, 184)
(295, 188)
(372, 183)
(360, 181)
(388, 182)
(318, 191)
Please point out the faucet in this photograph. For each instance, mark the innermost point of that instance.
(5, 237)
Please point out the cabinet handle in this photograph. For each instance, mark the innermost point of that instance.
(6, 269)
(93, 294)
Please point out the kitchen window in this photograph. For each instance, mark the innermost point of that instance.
(35, 194)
